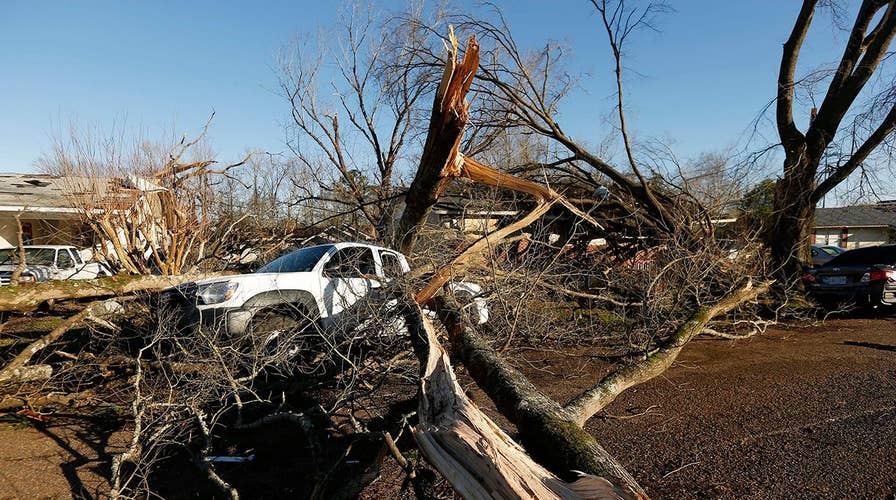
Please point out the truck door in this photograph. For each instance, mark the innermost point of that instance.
(65, 265)
(348, 276)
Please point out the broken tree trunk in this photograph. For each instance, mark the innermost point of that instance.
(17, 368)
(446, 126)
(471, 451)
(468, 448)
(547, 431)
(27, 298)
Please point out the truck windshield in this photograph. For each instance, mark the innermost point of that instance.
(296, 262)
(33, 256)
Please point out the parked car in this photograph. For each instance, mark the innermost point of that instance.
(49, 262)
(319, 282)
(864, 276)
(821, 254)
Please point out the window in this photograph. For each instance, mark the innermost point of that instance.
(352, 262)
(64, 260)
(76, 256)
(36, 256)
(296, 262)
(27, 233)
(391, 265)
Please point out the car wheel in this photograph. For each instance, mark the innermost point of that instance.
(280, 330)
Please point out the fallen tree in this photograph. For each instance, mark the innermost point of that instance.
(473, 453)
(553, 434)
(28, 298)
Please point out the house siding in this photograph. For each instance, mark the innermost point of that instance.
(850, 238)
(867, 237)
(44, 232)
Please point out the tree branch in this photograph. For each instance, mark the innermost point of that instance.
(604, 392)
(787, 130)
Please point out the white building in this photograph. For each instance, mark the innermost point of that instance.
(51, 208)
(855, 227)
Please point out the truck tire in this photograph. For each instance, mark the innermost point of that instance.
(281, 330)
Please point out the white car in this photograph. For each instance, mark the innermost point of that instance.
(319, 282)
(49, 262)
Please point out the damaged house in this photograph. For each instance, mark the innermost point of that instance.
(58, 210)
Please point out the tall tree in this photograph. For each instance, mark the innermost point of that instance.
(351, 127)
(839, 138)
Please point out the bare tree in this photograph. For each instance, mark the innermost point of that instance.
(20, 251)
(148, 203)
(856, 117)
(351, 129)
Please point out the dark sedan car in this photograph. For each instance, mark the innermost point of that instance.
(864, 276)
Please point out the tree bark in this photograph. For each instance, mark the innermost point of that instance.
(477, 458)
(29, 297)
(789, 230)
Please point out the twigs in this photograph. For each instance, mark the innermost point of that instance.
(16, 368)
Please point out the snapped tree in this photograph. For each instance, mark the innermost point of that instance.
(553, 434)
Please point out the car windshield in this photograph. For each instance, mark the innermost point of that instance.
(832, 250)
(885, 254)
(33, 256)
(296, 262)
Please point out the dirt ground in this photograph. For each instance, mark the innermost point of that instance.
(796, 413)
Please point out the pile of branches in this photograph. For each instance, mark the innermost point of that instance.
(296, 412)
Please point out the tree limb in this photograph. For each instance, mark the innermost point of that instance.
(30, 297)
(787, 130)
(604, 392)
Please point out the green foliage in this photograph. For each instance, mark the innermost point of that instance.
(757, 205)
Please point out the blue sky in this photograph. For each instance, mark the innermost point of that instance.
(162, 66)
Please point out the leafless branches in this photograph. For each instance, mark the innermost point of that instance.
(148, 203)
(351, 129)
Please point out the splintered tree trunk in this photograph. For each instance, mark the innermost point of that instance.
(548, 431)
(438, 161)
(471, 451)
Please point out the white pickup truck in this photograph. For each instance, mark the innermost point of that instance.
(49, 262)
(319, 283)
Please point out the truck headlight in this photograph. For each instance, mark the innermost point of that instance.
(215, 293)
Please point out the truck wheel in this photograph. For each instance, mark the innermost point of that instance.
(280, 329)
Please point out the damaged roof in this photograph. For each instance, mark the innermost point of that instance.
(36, 193)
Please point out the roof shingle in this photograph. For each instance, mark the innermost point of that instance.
(857, 216)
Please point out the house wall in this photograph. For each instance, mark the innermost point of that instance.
(867, 237)
(43, 232)
(855, 237)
